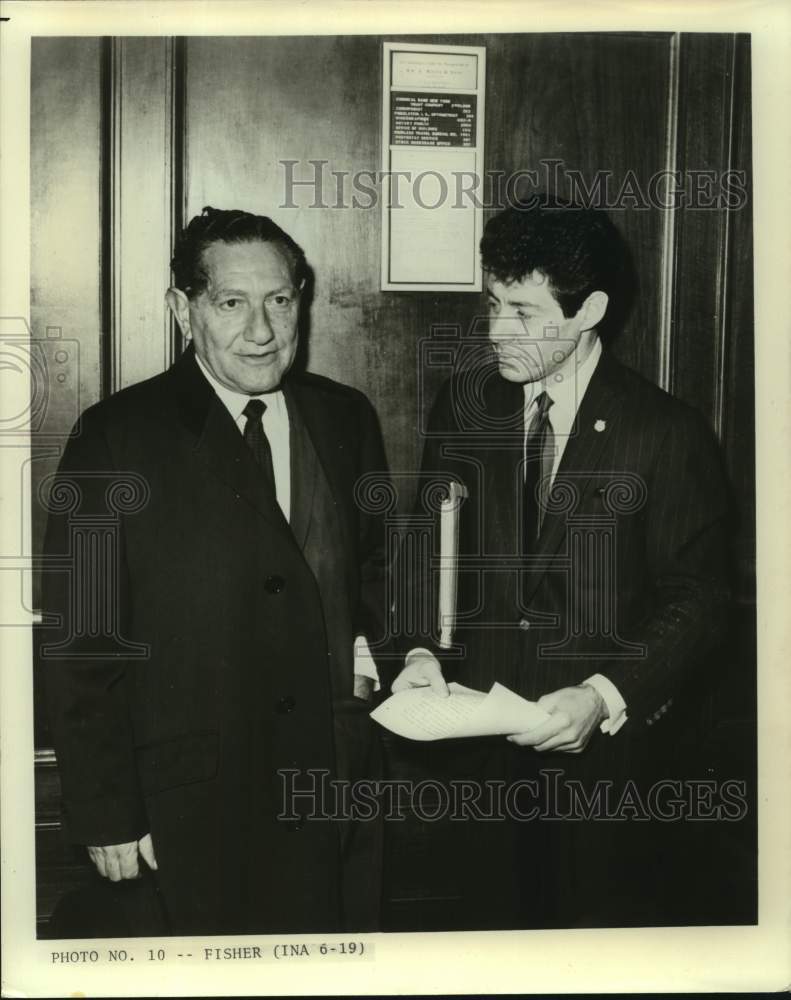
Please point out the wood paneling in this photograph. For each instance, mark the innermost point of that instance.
(705, 118)
(140, 181)
(65, 266)
(737, 387)
(712, 341)
(65, 199)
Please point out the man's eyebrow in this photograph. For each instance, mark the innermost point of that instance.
(242, 294)
(526, 303)
(216, 293)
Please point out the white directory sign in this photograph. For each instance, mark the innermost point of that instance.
(432, 161)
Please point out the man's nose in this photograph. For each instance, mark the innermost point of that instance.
(502, 328)
(259, 329)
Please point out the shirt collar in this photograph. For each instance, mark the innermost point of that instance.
(235, 402)
(566, 395)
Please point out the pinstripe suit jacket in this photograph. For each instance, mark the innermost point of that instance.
(629, 575)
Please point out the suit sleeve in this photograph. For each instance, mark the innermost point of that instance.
(80, 648)
(685, 617)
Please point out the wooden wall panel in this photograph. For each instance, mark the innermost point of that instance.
(141, 193)
(65, 170)
(704, 123)
(66, 243)
(712, 297)
(737, 384)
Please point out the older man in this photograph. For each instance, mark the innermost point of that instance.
(244, 573)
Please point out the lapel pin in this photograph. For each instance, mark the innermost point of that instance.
(600, 425)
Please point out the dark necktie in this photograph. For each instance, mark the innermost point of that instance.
(539, 459)
(257, 441)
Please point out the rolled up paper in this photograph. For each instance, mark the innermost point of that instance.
(449, 561)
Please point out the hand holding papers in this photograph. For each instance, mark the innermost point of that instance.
(420, 714)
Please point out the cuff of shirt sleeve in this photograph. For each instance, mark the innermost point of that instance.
(364, 665)
(616, 706)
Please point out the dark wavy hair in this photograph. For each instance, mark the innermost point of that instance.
(216, 225)
(578, 250)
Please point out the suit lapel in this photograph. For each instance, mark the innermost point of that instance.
(593, 426)
(329, 452)
(218, 442)
(304, 469)
(328, 440)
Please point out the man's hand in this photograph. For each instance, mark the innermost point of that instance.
(119, 861)
(422, 670)
(574, 712)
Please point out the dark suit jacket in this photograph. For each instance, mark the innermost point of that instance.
(193, 662)
(629, 577)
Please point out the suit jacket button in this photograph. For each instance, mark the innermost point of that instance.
(286, 704)
(274, 584)
(524, 624)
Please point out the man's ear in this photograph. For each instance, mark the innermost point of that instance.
(179, 305)
(593, 309)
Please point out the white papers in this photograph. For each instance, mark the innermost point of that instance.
(420, 714)
(449, 555)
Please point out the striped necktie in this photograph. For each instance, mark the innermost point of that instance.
(539, 459)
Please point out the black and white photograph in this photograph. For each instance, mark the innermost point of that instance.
(381, 414)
